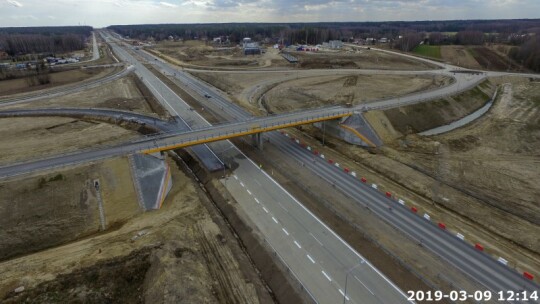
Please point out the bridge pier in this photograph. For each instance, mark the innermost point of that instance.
(257, 140)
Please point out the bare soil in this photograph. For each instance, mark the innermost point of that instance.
(459, 55)
(322, 91)
(198, 54)
(173, 255)
(357, 59)
(479, 179)
(31, 138)
(490, 60)
(23, 85)
(284, 91)
(424, 116)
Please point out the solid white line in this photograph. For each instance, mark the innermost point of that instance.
(242, 184)
(265, 210)
(363, 285)
(285, 231)
(329, 278)
(297, 245)
(274, 219)
(316, 239)
(327, 228)
(249, 192)
(257, 201)
(311, 259)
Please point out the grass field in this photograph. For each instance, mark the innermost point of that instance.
(428, 50)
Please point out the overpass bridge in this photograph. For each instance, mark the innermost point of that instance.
(254, 126)
(169, 141)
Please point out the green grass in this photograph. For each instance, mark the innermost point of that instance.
(433, 51)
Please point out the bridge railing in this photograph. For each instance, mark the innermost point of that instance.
(208, 134)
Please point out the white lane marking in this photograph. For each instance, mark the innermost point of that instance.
(242, 184)
(285, 231)
(273, 218)
(249, 192)
(283, 207)
(235, 177)
(265, 210)
(257, 201)
(310, 258)
(297, 245)
(343, 294)
(329, 278)
(316, 239)
(323, 224)
(364, 285)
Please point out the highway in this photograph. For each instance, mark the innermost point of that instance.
(285, 222)
(315, 254)
(64, 90)
(479, 266)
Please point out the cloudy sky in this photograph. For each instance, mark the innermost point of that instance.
(100, 13)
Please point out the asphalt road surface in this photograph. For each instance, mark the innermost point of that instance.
(316, 255)
(482, 268)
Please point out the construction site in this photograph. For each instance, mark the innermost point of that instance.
(167, 227)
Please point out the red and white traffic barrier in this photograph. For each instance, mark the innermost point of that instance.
(442, 226)
(528, 276)
(479, 247)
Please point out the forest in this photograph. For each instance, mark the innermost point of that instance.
(36, 40)
(524, 34)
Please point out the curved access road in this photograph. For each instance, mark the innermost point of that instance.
(64, 90)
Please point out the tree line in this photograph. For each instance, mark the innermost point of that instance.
(36, 40)
(315, 33)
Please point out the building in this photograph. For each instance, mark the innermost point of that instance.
(252, 48)
(333, 44)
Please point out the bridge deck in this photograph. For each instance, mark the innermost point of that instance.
(228, 131)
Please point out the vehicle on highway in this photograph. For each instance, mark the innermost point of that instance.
(207, 96)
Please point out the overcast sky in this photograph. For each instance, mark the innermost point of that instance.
(101, 13)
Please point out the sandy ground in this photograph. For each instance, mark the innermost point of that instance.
(40, 137)
(17, 86)
(458, 55)
(394, 123)
(198, 54)
(122, 94)
(322, 91)
(173, 255)
(34, 138)
(357, 59)
(285, 91)
(480, 179)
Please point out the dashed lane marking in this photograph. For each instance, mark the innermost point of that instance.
(274, 219)
(328, 277)
(310, 258)
(285, 231)
(265, 210)
(343, 294)
(297, 245)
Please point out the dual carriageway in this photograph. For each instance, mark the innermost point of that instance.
(326, 266)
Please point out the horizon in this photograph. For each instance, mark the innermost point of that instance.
(103, 13)
(277, 23)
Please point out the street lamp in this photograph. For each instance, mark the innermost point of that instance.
(345, 297)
